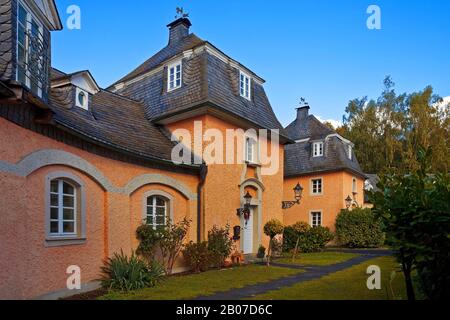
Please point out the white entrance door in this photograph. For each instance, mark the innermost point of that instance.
(248, 234)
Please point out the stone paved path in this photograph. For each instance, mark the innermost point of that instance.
(310, 273)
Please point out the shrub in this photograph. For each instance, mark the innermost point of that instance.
(261, 252)
(126, 274)
(359, 228)
(272, 229)
(197, 256)
(294, 233)
(168, 240)
(315, 239)
(220, 245)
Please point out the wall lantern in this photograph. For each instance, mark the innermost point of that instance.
(351, 202)
(245, 211)
(298, 192)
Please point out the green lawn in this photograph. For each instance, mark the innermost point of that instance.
(192, 286)
(349, 284)
(318, 259)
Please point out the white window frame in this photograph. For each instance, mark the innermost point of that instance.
(77, 102)
(245, 85)
(29, 18)
(313, 187)
(60, 207)
(354, 185)
(251, 150)
(178, 76)
(318, 149)
(350, 152)
(312, 219)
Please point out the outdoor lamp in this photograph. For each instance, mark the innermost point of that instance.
(248, 199)
(298, 192)
(348, 202)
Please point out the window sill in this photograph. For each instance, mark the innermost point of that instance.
(253, 164)
(64, 241)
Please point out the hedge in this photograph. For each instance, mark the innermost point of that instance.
(359, 228)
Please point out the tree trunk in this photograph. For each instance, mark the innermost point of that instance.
(407, 266)
(269, 253)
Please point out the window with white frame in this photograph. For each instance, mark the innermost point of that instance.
(316, 186)
(251, 150)
(157, 211)
(245, 85)
(350, 152)
(316, 219)
(174, 76)
(63, 208)
(318, 149)
(32, 52)
(354, 185)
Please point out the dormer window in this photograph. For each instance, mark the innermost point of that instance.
(318, 149)
(32, 52)
(350, 152)
(82, 99)
(244, 85)
(174, 76)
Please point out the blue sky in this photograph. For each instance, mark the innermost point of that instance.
(317, 49)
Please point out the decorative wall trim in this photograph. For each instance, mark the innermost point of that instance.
(147, 179)
(49, 157)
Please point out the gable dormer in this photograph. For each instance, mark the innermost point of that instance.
(25, 57)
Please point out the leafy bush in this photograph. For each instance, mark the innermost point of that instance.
(294, 233)
(197, 256)
(126, 274)
(359, 228)
(272, 229)
(220, 245)
(261, 252)
(315, 239)
(168, 241)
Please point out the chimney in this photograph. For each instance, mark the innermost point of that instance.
(303, 112)
(178, 30)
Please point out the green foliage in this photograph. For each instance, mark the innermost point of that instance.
(388, 131)
(220, 245)
(315, 239)
(261, 252)
(197, 256)
(415, 210)
(127, 274)
(359, 228)
(165, 242)
(293, 233)
(273, 228)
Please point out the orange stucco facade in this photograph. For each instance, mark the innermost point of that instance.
(337, 186)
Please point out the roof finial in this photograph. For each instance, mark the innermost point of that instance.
(181, 14)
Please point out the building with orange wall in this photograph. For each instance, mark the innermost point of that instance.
(324, 164)
(82, 167)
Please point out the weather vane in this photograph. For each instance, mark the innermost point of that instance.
(303, 102)
(181, 14)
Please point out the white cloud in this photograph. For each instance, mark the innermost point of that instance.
(335, 123)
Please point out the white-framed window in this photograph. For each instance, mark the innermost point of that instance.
(251, 150)
(354, 185)
(174, 76)
(32, 59)
(245, 85)
(157, 211)
(63, 208)
(317, 186)
(350, 152)
(318, 149)
(316, 219)
(82, 99)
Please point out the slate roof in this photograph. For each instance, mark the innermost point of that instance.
(207, 80)
(111, 120)
(299, 158)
